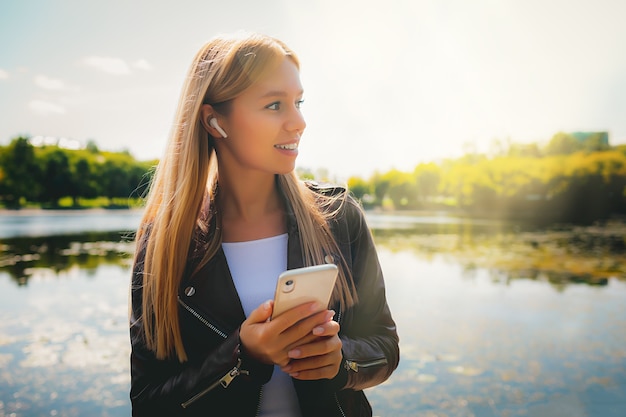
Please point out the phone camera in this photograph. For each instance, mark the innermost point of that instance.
(288, 286)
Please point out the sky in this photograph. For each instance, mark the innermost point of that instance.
(388, 85)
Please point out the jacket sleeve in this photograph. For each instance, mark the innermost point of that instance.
(160, 387)
(368, 332)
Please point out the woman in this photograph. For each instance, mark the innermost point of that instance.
(225, 215)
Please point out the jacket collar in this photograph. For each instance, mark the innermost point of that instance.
(294, 246)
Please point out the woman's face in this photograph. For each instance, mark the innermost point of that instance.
(265, 124)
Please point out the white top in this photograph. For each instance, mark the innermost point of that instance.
(255, 266)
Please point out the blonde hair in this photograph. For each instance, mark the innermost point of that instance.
(181, 197)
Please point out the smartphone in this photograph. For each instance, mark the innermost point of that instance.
(303, 285)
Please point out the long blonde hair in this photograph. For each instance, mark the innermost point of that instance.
(181, 196)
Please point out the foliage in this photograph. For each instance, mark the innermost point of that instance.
(556, 184)
(19, 173)
(359, 188)
(566, 180)
(48, 174)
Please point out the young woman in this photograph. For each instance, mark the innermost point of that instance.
(225, 215)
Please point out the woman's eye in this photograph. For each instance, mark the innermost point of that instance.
(274, 106)
(299, 103)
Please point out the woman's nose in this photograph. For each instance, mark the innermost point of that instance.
(296, 121)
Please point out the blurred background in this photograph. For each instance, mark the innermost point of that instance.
(486, 141)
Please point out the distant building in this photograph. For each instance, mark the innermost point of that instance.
(600, 138)
(64, 143)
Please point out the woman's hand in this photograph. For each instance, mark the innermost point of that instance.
(319, 358)
(271, 341)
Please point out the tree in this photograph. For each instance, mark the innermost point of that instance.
(380, 184)
(92, 147)
(524, 150)
(83, 182)
(123, 177)
(427, 178)
(57, 180)
(563, 144)
(20, 173)
(596, 142)
(402, 188)
(359, 187)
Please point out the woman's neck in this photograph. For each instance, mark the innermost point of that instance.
(250, 208)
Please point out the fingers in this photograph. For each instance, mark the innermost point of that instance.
(296, 314)
(329, 328)
(303, 328)
(270, 341)
(261, 313)
(324, 372)
(322, 346)
(254, 335)
(317, 360)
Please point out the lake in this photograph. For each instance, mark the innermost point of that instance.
(495, 319)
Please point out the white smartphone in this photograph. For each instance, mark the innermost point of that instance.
(303, 285)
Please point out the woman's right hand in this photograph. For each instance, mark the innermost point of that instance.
(270, 341)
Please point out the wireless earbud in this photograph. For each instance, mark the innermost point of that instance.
(213, 122)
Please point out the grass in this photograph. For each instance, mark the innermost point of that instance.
(85, 203)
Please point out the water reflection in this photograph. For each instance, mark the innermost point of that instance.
(483, 331)
(470, 347)
(64, 344)
(22, 257)
(572, 255)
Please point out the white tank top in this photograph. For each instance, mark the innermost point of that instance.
(255, 266)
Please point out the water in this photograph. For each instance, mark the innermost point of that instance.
(489, 325)
(58, 222)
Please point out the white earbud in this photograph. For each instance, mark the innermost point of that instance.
(213, 122)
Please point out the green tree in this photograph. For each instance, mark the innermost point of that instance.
(57, 180)
(114, 179)
(92, 147)
(427, 180)
(402, 189)
(121, 176)
(380, 184)
(359, 187)
(20, 174)
(83, 181)
(563, 144)
(524, 150)
(596, 142)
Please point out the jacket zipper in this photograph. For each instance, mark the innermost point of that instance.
(339, 406)
(354, 366)
(202, 319)
(258, 404)
(223, 381)
(337, 398)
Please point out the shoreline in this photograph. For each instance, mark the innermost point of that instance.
(548, 222)
(32, 211)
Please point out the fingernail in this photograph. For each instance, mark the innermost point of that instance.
(294, 353)
(318, 331)
(330, 315)
(315, 307)
(266, 305)
(287, 368)
(295, 374)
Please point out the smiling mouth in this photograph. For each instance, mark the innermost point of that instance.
(288, 146)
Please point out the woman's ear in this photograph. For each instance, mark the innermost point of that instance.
(206, 114)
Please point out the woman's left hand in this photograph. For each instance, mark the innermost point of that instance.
(319, 354)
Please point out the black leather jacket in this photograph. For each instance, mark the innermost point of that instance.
(218, 379)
